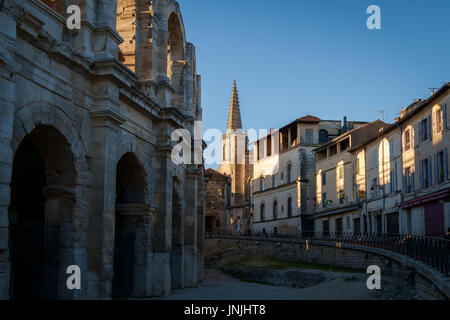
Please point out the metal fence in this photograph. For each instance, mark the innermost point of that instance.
(434, 252)
(34, 260)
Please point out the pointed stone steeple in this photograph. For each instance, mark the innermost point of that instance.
(234, 116)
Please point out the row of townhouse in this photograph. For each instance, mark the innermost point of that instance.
(383, 178)
(283, 184)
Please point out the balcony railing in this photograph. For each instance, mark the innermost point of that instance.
(434, 252)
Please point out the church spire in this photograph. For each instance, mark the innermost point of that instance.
(234, 116)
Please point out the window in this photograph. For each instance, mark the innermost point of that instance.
(289, 207)
(438, 121)
(325, 226)
(338, 225)
(289, 173)
(341, 196)
(274, 180)
(262, 182)
(333, 150)
(262, 212)
(375, 158)
(424, 130)
(425, 173)
(341, 172)
(407, 139)
(358, 167)
(323, 136)
(408, 180)
(309, 136)
(275, 210)
(392, 181)
(324, 178)
(440, 167)
(374, 188)
(269, 146)
(324, 200)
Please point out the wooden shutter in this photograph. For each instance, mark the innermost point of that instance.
(444, 116)
(445, 165)
(430, 178)
(420, 132)
(421, 175)
(436, 169)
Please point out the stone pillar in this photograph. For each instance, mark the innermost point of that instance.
(8, 69)
(106, 40)
(200, 229)
(178, 233)
(60, 212)
(105, 134)
(190, 229)
(162, 223)
(138, 218)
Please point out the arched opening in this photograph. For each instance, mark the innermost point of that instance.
(41, 200)
(176, 62)
(263, 208)
(177, 253)
(289, 207)
(127, 27)
(275, 210)
(130, 191)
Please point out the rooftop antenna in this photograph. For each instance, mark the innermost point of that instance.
(382, 114)
(433, 90)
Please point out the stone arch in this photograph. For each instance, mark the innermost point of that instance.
(275, 209)
(176, 60)
(133, 228)
(41, 113)
(262, 211)
(289, 206)
(45, 142)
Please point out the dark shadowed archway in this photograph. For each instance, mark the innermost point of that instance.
(130, 197)
(42, 196)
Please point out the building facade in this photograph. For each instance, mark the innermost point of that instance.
(338, 201)
(86, 174)
(218, 200)
(398, 178)
(283, 184)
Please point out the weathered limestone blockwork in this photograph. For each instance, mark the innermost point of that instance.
(86, 140)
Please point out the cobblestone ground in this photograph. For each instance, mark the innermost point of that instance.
(346, 286)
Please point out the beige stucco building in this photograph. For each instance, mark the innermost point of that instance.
(338, 199)
(284, 183)
(398, 177)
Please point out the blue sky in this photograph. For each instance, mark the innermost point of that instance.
(296, 57)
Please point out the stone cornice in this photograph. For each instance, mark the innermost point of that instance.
(108, 115)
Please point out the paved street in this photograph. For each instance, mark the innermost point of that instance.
(220, 286)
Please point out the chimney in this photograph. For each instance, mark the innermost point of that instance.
(344, 125)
